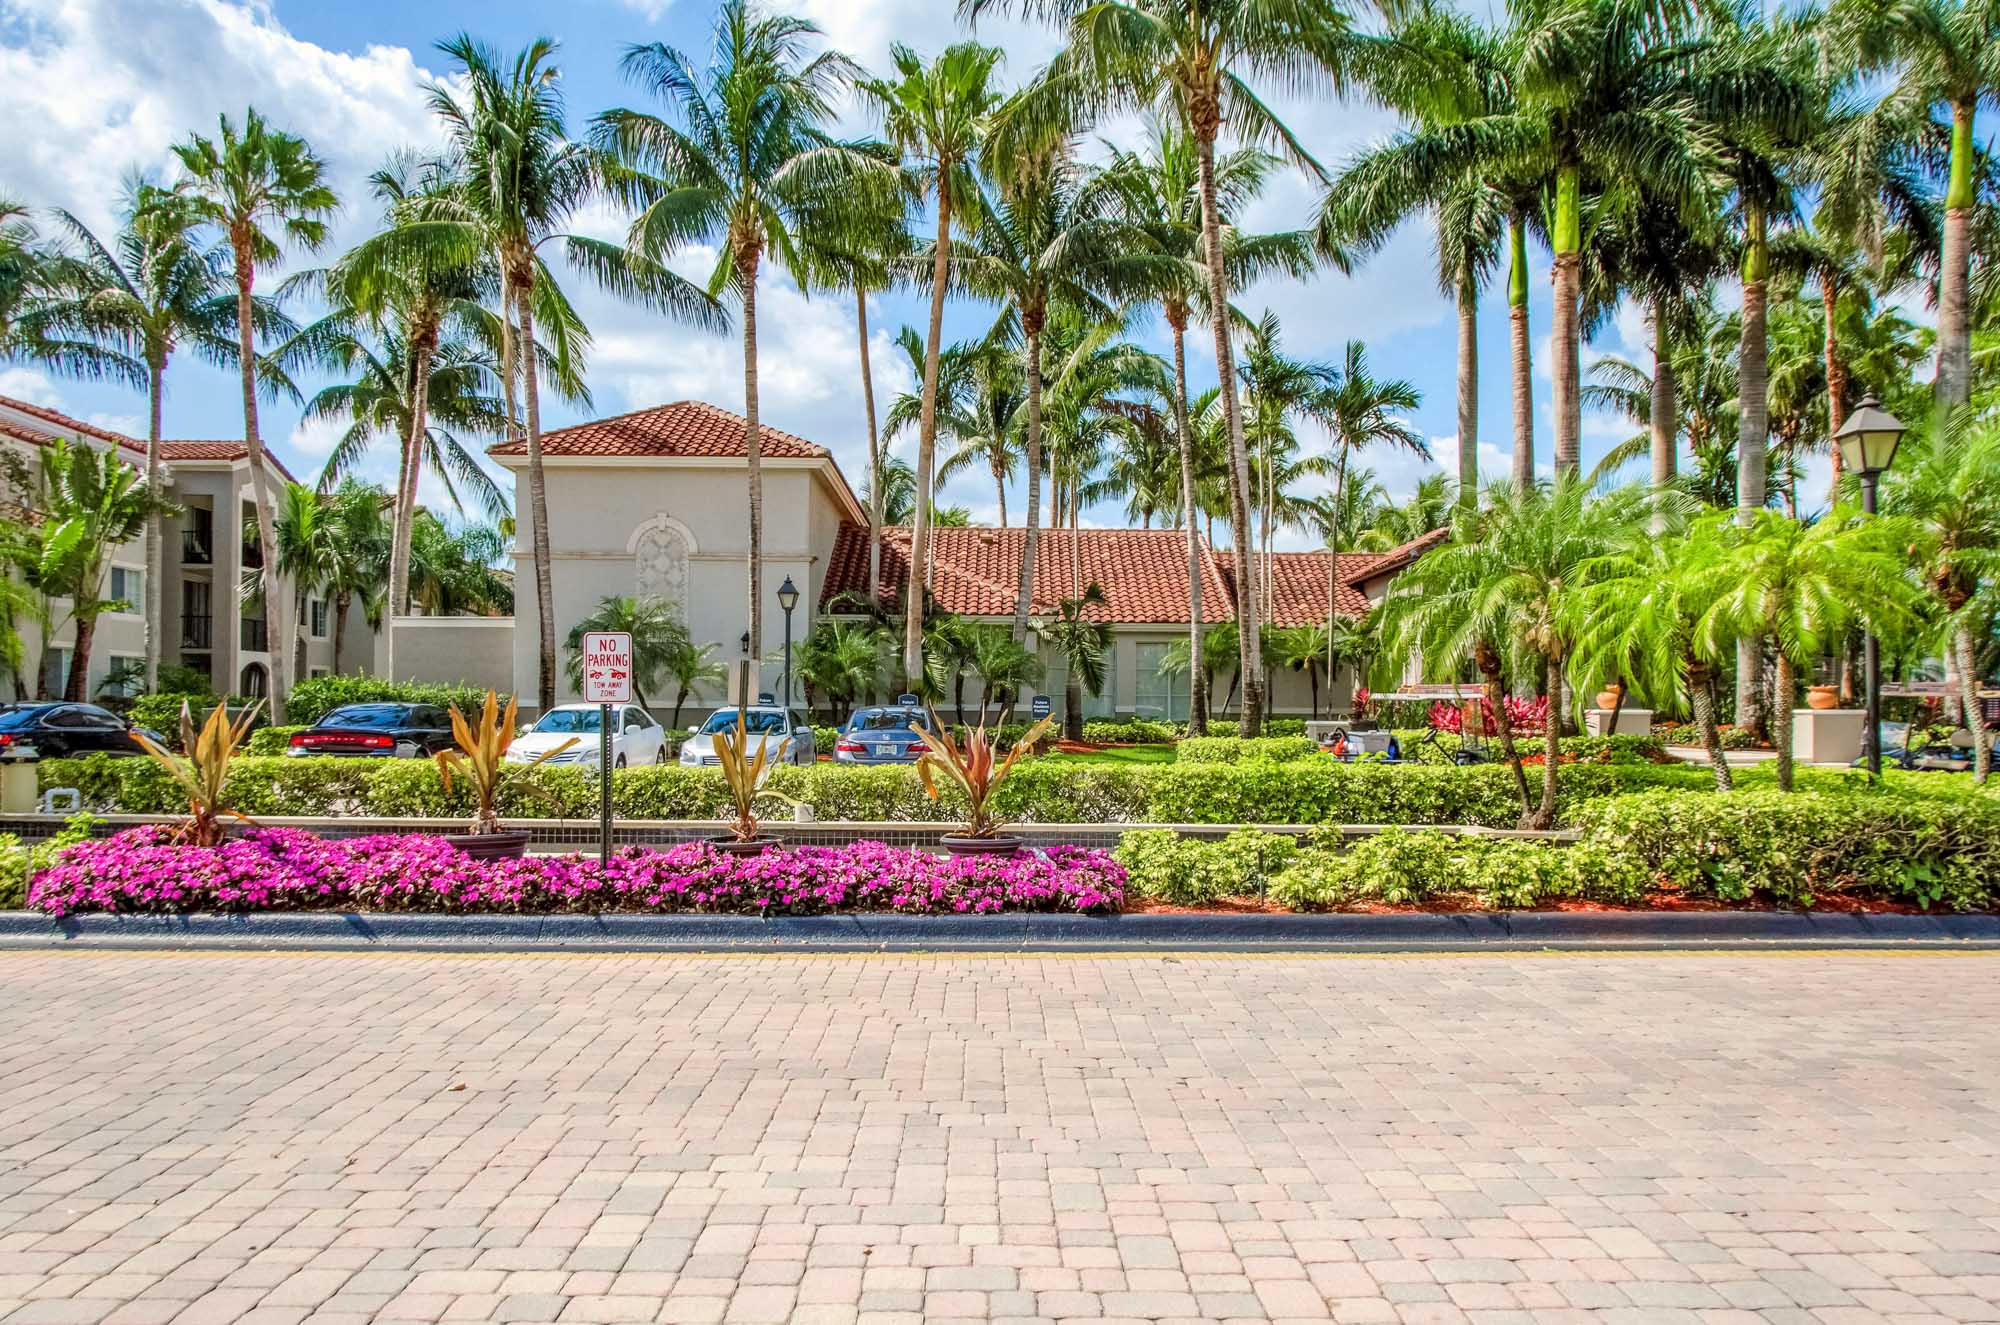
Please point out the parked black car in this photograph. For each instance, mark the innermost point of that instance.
(58, 730)
(380, 731)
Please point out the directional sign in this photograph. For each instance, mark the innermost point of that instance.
(607, 667)
(1039, 706)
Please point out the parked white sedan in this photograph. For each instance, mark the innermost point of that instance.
(635, 740)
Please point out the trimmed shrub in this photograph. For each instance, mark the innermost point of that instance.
(162, 712)
(1237, 749)
(1930, 849)
(1129, 731)
(1402, 867)
(1686, 733)
(286, 869)
(1186, 871)
(313, 699)
(20, 863)
(273, 740)
(98, 778)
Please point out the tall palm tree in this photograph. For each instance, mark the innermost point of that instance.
(1943, 52)
(657, 632)
(937, 116)
(1157, 192)
(90, 502)
(37, 287)
(452, 570)
(1798, 586)
(1190, 62)
(264, 190)
(1081, 636)
(360, 572)
(1394, 524)
(745, 164)
(984, 423)
(310, 550)
(150, 291)
(524, 180)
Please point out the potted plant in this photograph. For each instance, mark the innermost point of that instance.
(977, 770)
(203, 772)
(745, 774)
(482, 758)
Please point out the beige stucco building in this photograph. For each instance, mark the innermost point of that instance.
(654, 503)
(208, 623)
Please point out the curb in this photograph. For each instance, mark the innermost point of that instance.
(1020, 932)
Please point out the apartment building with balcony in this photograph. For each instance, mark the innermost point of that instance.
(208, 622)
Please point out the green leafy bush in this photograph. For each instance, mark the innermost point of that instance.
(98, 778)
(273, 740)
(20, 862)
(1129, 731)
(1928, 848)
(313, 699)
(1686, 733)
(1187, 871)
(824, 739)
(1405, 867)
(162, 712)
(1237, 749)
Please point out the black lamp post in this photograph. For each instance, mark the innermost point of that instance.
(788, 598)
(1867, 442)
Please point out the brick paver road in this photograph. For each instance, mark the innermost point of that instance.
(1508, 1138)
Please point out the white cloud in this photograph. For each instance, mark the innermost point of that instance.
(31, 385)
(651, 10)
(132, 425)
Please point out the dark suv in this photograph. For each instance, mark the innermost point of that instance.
(381, 731)
(60, 730)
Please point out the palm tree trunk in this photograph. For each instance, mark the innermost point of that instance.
(874, 446)
(1488, 660)
(260, 486)
(1545, 815)
(1965, 664)
(1781, 720)
(753, 461)
(1249, 646)
(76, 688)
(1753, 432)
(424, 345)
(343, 602)
(1663, 412)
(1521, 355)
(1701, 695)
(156, 371)
(1565, 328)
(508, 346)
(538, 493)
(1836, 370)
(1954, 335)
(1468, 389)
(1197, 683)
(920, 533)
(1031, 534)
(1333, 555)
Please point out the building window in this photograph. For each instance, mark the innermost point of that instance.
(317, 672)
(1156, 693)
(126, 677)
(57, 668)
(128, 585)
(316, 615)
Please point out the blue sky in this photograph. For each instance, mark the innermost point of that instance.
(109, 83)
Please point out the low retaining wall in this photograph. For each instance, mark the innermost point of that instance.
(875, 932)
(581, 834)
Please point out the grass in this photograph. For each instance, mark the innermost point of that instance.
(1117, 754)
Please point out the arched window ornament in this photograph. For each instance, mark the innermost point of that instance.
(660, 550)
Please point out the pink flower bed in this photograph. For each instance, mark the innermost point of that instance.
(288, 869)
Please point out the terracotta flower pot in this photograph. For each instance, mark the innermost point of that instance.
(1608, 697)
(737, 846)
(491, 846)
(959, 845)
(1823, 697)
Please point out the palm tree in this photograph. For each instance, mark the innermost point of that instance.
(1391, 525)
(1084, 643)
(1942, 51)
(657, 632)
(690, 666)
(936, 115)
(152, 290)
(746, 165)
(984, 421)
(1798, 586)
(1157, 192)
(38, 282)
(451, 570)
(361, 570)
(1005, 667)
(309, 549)
(839, 660)
(523, 182)
(1947, 489)
(1188, 61)
(1637, 619)
(264, 190)
(1303, 649)
(91, 501)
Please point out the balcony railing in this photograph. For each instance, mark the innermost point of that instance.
(254, 638)
(195, 549)
(197, 632)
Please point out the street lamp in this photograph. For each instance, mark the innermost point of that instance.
(788, 598)
(1867, 442)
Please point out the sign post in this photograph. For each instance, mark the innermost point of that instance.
(607, 680)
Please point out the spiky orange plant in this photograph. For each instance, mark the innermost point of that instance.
(975, 768)
(203, 772)
(482, 755)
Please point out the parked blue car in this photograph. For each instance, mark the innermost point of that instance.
(891, 734)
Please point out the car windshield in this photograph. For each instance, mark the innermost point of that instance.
(885, 720)
(14, 719)
(568, 720)
(366, 715)
(756, 721)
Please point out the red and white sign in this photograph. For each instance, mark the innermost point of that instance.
(607, 667)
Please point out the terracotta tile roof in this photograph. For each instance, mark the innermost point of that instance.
(217, 450)
(42, 425)
(1143, 573)
(684, 428)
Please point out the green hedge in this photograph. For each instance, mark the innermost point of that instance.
(1401, 867)
(1686, 733)
(1129, 731)
(313, 699)
(1585, 749)
(1238, 749)
(273, 740)
(20, 862)
(1045, 791)
(162, 712)
(1187, 871)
